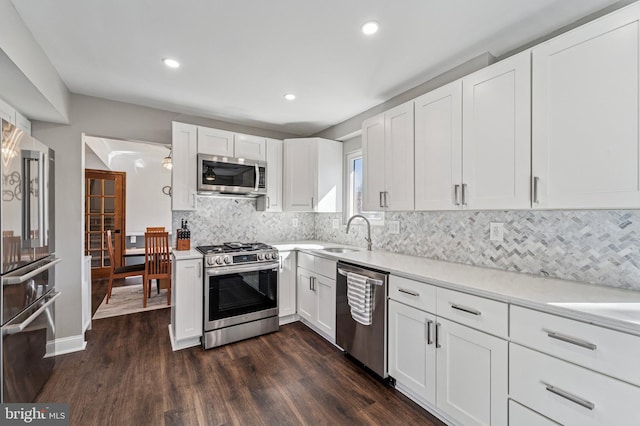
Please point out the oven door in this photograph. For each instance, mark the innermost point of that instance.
(238, 294)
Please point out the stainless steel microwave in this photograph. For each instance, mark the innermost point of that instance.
(218, 174)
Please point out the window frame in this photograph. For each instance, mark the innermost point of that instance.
(349, 210)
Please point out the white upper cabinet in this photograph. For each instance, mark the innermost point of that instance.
(387, 148)
(273, 199)
(586, 146)
(496, 135)
(249, 147)
(23, 123)
(215, 142)
(313, 175)
(7, 112)
(184, 148)
(438, 148)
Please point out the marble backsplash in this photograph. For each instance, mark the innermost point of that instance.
(598, 247)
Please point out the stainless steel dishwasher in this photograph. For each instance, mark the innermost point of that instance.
(366, 343)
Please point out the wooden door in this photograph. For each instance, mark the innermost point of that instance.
(104, 210)
(373, 163)
(438, 147)
(586, 109)
(399, 158)
(496, 135)
(472, 375)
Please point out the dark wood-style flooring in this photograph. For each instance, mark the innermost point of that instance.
(128, 375)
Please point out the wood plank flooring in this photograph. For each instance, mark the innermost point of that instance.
(128, 375)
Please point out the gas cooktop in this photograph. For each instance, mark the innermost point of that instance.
(229, 254)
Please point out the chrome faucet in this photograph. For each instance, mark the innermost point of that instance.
(368, 228)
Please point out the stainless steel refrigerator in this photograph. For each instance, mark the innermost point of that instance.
(28, 257)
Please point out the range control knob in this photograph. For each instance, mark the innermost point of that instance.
(219, 260)
(267, 256)
(210, 261)
(227, 260)
(262, 256)
(274, 255)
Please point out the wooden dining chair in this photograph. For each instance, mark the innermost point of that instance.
(116, 271)
(157, 262)
(155, 229)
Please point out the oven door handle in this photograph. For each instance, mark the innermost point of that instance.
(240, 268)
(22, 278)
(18, 328)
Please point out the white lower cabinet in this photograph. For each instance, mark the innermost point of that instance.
(523, 416)
(316, 286)
(459, 371)
(570, 394)
(472, 374)
(186, 302)
(287, 284)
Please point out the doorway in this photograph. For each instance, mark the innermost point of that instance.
(104, 210)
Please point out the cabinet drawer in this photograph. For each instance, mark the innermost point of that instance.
(413, 293)
(483, 314)
(569, 394)
(520, 415)
(607, 351)
(326, 267)
(306, 261)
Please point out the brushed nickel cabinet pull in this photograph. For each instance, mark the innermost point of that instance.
(572, 340)
(464, 194)
(465, 309)
(385, 198)
(536, 180)
(438, 335)
(381, 205)
(456, 200)
(429, 339)
(571, 397)
(409, 292)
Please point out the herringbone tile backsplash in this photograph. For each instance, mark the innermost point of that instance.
(599, 247)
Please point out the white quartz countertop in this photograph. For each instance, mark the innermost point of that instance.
(606, 306)
(186, 254)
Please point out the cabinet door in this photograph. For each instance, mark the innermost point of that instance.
(23, 123)
(306, 296)
(274, 175)
(496, 132)
(328, 189)
(250, 147)
(373, 163)
(287, 284)
(7, 112)
(184, 151)
(412, 354)
(438, 148)
(187, 299)
(399, 158)
(586, 109)
(299, 172)
(325, 290)
(215, 142)
(472, 370)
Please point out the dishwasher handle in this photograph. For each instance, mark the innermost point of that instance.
(369, 280)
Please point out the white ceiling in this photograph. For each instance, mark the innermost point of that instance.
(239, 57)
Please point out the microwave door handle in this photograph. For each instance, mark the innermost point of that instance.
(257, 176)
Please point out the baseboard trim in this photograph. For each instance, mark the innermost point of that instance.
(184, 343)
(66, 345)
(288, 319)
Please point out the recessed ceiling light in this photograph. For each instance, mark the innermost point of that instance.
(289, 96)
(370, 27)
(171, 63)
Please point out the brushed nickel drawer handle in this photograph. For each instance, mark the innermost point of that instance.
(429, 339)
(572, 340)
(566, 395)
(465, 309)
(409, 292)
(438, 335)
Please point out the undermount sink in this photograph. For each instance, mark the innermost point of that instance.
(339, 250)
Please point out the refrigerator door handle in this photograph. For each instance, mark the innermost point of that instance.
(8, 280)
(18, 328)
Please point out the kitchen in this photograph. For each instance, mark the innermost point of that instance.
(596, 245)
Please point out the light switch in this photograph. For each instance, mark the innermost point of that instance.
(394, 226)
(336, 223)
(294, 222)
(133, 239)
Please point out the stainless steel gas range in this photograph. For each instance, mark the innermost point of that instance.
(240, 292)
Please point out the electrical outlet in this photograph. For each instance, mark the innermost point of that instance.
(294, 222)
(336, 223)
(133, 239)
(496, 231)
(394, 226)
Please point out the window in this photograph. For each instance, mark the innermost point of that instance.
(354, 190)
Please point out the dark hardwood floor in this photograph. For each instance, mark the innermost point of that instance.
(128, 375)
